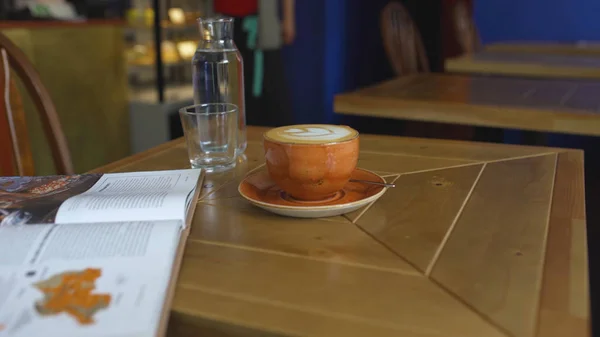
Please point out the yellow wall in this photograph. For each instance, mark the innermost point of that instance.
(83, 67)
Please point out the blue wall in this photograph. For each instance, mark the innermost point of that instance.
(304, 62)
(337, 48)
(539, 20)
(542, 20)
(338, 43)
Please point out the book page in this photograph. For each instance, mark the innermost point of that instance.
(94, 279)
(136, 196)
(27, 200)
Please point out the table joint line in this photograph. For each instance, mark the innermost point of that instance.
(453, 224)
(372, 203)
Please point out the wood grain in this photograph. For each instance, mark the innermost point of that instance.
(236, 223)
(494, 257)
(229, 189)
(354, 216)
(88, 89)
(252, 159)
(564, 304)
(402, 40)
(139, 159)
(458, 151)
(545, 48)
(175, 158)
(188, 324)
(413, 218)
(247, 272)
(7, 160)
(23, 156)
(550, 105)
(447, 149)
(333, 291)
(235, 316)
(526, 65)
(15, 62)
(403, 164)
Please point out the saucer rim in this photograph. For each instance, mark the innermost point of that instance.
(308, 208)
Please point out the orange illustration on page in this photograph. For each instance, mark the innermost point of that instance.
(72, 293)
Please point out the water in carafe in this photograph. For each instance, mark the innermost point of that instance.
(218, 71)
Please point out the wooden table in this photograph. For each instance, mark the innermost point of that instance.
(475, 240)
(526, 64)
(564, 106)
(557, 48)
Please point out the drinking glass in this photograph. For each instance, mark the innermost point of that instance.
(211, 135)
(217, 70)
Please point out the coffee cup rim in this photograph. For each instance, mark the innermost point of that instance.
(356, 135)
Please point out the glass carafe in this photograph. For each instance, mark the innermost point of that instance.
(219, 70)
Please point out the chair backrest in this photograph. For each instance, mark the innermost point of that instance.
(402, 40)
(14, 139)
(465, 28)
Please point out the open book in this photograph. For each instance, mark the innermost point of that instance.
(92, 255)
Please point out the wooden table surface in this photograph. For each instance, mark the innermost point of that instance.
(527, 64)
(475, 240)
(548, 105)
(583, 48)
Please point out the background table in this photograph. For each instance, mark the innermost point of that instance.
(566, 106)
(475, 240)
(526, 64)
(579, 48)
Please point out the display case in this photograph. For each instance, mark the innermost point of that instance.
(160, 79)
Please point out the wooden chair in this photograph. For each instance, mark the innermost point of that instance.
(466, 31)
(404, 47)
(402, 40)
(15, 151)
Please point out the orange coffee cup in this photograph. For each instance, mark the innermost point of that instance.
(311, 162)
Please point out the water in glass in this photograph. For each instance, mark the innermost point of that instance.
(219, 71)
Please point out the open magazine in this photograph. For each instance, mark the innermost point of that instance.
(92, 255)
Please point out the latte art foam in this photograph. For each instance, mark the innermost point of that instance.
(311, 134)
